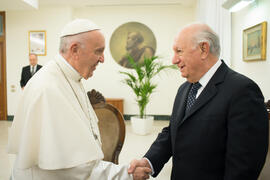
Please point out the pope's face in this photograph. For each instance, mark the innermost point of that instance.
(91, 53)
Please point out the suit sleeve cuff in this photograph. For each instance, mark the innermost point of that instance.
(149, 162)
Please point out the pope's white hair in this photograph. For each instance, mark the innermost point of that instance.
(66, 41)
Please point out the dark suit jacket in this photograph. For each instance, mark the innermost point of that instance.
(224, 136)
(26, 74)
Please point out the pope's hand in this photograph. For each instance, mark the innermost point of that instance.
(140, 169)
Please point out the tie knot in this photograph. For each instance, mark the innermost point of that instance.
(196, 86)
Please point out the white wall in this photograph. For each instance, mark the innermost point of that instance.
(259, 71)
(163, 20)
(212, 13)
(18, 23)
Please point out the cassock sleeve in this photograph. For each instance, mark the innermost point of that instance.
(94, 170)
(104, 170)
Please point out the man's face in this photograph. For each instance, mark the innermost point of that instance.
(91, 53)
(187, 57)
(33, 60)
(131, 40)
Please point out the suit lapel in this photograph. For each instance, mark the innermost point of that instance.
(208, 92)
(38, 67)
(29, 71)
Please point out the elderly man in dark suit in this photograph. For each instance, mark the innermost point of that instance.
(219, 125)
(30, 70)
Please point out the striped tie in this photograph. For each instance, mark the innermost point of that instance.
(192, 95)
(32, 70)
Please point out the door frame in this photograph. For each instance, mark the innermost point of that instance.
(3, 82)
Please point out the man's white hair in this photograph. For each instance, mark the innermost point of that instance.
(207, 35)
(211, 38)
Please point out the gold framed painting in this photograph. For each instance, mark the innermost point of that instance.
(37, 42)
(254, 42)
(132, 39)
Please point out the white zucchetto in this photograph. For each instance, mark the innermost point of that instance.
(78, 26)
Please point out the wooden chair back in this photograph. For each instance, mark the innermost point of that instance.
(111, 126)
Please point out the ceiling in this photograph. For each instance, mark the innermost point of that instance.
(6, 5)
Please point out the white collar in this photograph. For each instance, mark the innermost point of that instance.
(208, 75)
(68, 69)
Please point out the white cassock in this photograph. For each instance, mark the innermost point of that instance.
(55, 132)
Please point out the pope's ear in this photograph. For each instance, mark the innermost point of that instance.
(74, 50)
(204, 48)
(74, 47)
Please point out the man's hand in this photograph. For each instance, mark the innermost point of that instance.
(140, 169)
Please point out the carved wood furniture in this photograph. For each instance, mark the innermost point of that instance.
(116, 102)
(111, 126)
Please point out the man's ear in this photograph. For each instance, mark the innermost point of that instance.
(74, 50)
(204, 48)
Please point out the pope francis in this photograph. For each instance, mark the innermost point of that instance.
(55, 133)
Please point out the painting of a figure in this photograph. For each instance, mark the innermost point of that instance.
(136, 49)
(132, 39)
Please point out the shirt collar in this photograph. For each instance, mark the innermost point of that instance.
(208, 75)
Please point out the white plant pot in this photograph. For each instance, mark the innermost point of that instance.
(142, 126)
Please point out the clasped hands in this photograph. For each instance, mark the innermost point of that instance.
(140, 169)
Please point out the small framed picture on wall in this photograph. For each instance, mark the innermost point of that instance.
(254, 42)
(1, 25)
(37, 42)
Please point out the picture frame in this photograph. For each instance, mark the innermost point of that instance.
(1, 25)
(37, 42)
(254, 42)
(143, 43)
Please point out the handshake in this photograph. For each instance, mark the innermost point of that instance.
(140, 169)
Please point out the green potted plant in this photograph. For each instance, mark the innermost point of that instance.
(141, 84)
